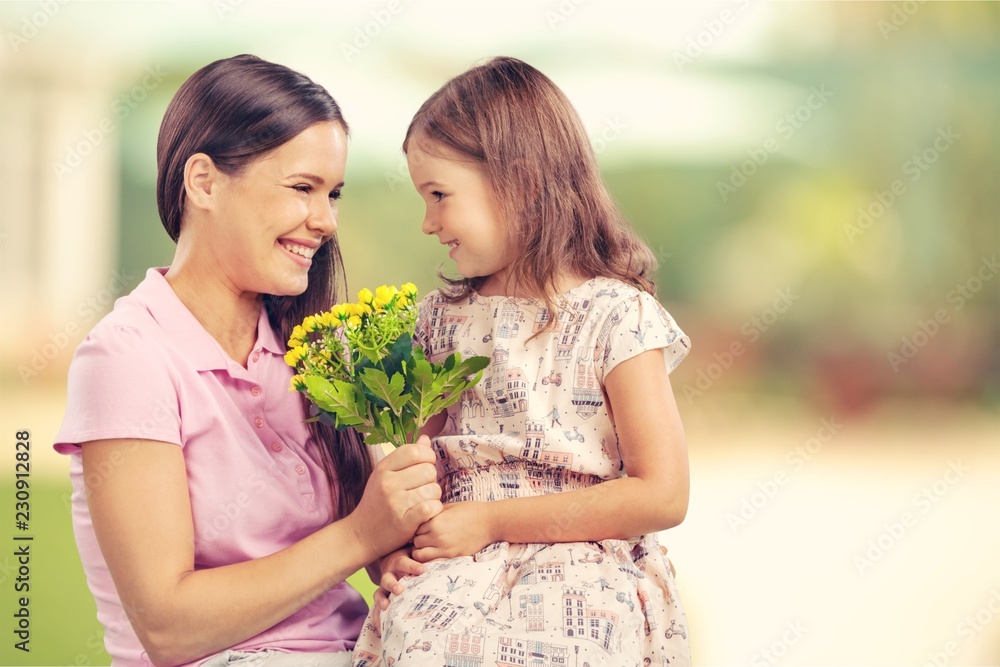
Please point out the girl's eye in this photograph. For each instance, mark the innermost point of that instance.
(336, 195)
(438, 195)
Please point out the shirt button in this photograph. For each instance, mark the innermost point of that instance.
(255, 390)
(276, 446)
(258, 422)
(301, 469)
(256, 356)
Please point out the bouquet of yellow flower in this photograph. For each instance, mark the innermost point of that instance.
(357, 364)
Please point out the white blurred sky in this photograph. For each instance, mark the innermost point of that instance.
(615, 60)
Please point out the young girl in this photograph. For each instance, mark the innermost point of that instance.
(560, 466)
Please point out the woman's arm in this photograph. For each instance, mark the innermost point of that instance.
(653, 497)
(141, 512)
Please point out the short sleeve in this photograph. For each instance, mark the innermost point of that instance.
(639, 324)
(119, 387)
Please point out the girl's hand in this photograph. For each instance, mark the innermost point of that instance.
(394, 567)
(461, 529)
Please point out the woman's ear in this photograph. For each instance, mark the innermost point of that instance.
(201, 181)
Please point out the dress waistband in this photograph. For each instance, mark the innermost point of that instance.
(515, 479)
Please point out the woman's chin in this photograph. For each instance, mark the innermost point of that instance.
(289, 286)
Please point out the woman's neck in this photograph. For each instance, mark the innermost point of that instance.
(227, 314)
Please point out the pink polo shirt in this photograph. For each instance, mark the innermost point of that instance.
(149, 371)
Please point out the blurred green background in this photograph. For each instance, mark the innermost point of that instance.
(820, 183)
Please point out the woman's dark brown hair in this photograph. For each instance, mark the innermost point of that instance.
(236, 111)
(522, 131)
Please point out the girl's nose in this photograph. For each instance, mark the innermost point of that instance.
(430, 225)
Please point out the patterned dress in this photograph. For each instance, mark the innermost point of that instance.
(538, 423)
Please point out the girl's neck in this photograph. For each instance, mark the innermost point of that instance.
(229, 315)
(496, 285)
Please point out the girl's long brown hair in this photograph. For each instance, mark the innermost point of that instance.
(520, 128)
(236, 111)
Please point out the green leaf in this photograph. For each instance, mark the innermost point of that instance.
(383, 429)
(387, 391)
(400, 352)
(474, 365)
(420, 377)
(338, 398)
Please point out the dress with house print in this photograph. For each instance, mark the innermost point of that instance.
(537, 423)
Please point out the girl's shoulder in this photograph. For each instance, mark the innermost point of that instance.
(436, 299)
(608, 289)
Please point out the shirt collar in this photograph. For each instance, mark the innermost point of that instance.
(197, 345)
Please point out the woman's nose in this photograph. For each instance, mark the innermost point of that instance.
(323, 218)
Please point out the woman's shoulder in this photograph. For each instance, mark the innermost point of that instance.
(129, 320)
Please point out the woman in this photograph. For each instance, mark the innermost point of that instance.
(214, 525)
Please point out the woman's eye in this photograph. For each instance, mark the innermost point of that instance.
(336, 195)
(438, 196)
(302, 188)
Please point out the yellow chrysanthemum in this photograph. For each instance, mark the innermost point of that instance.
(339, 312)
(298, 383)
(354, 321)
(364, 309)
(298, 336)
(295, 355)
(409, 289)
(310, 324)
(402, 301)
(365, 296)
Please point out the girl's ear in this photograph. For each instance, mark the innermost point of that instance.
(201, 181)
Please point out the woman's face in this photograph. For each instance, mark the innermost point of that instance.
(273, 217)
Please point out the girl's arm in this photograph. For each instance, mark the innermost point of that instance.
(142, 518)
(652, 498)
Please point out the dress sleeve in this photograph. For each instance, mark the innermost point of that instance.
(638, 324)
(119, 387)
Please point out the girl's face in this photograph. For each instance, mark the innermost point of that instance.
(275, 215)
(461, 211)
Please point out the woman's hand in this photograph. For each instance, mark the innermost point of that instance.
(394, 567)
(461, 529)
(401, 493)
